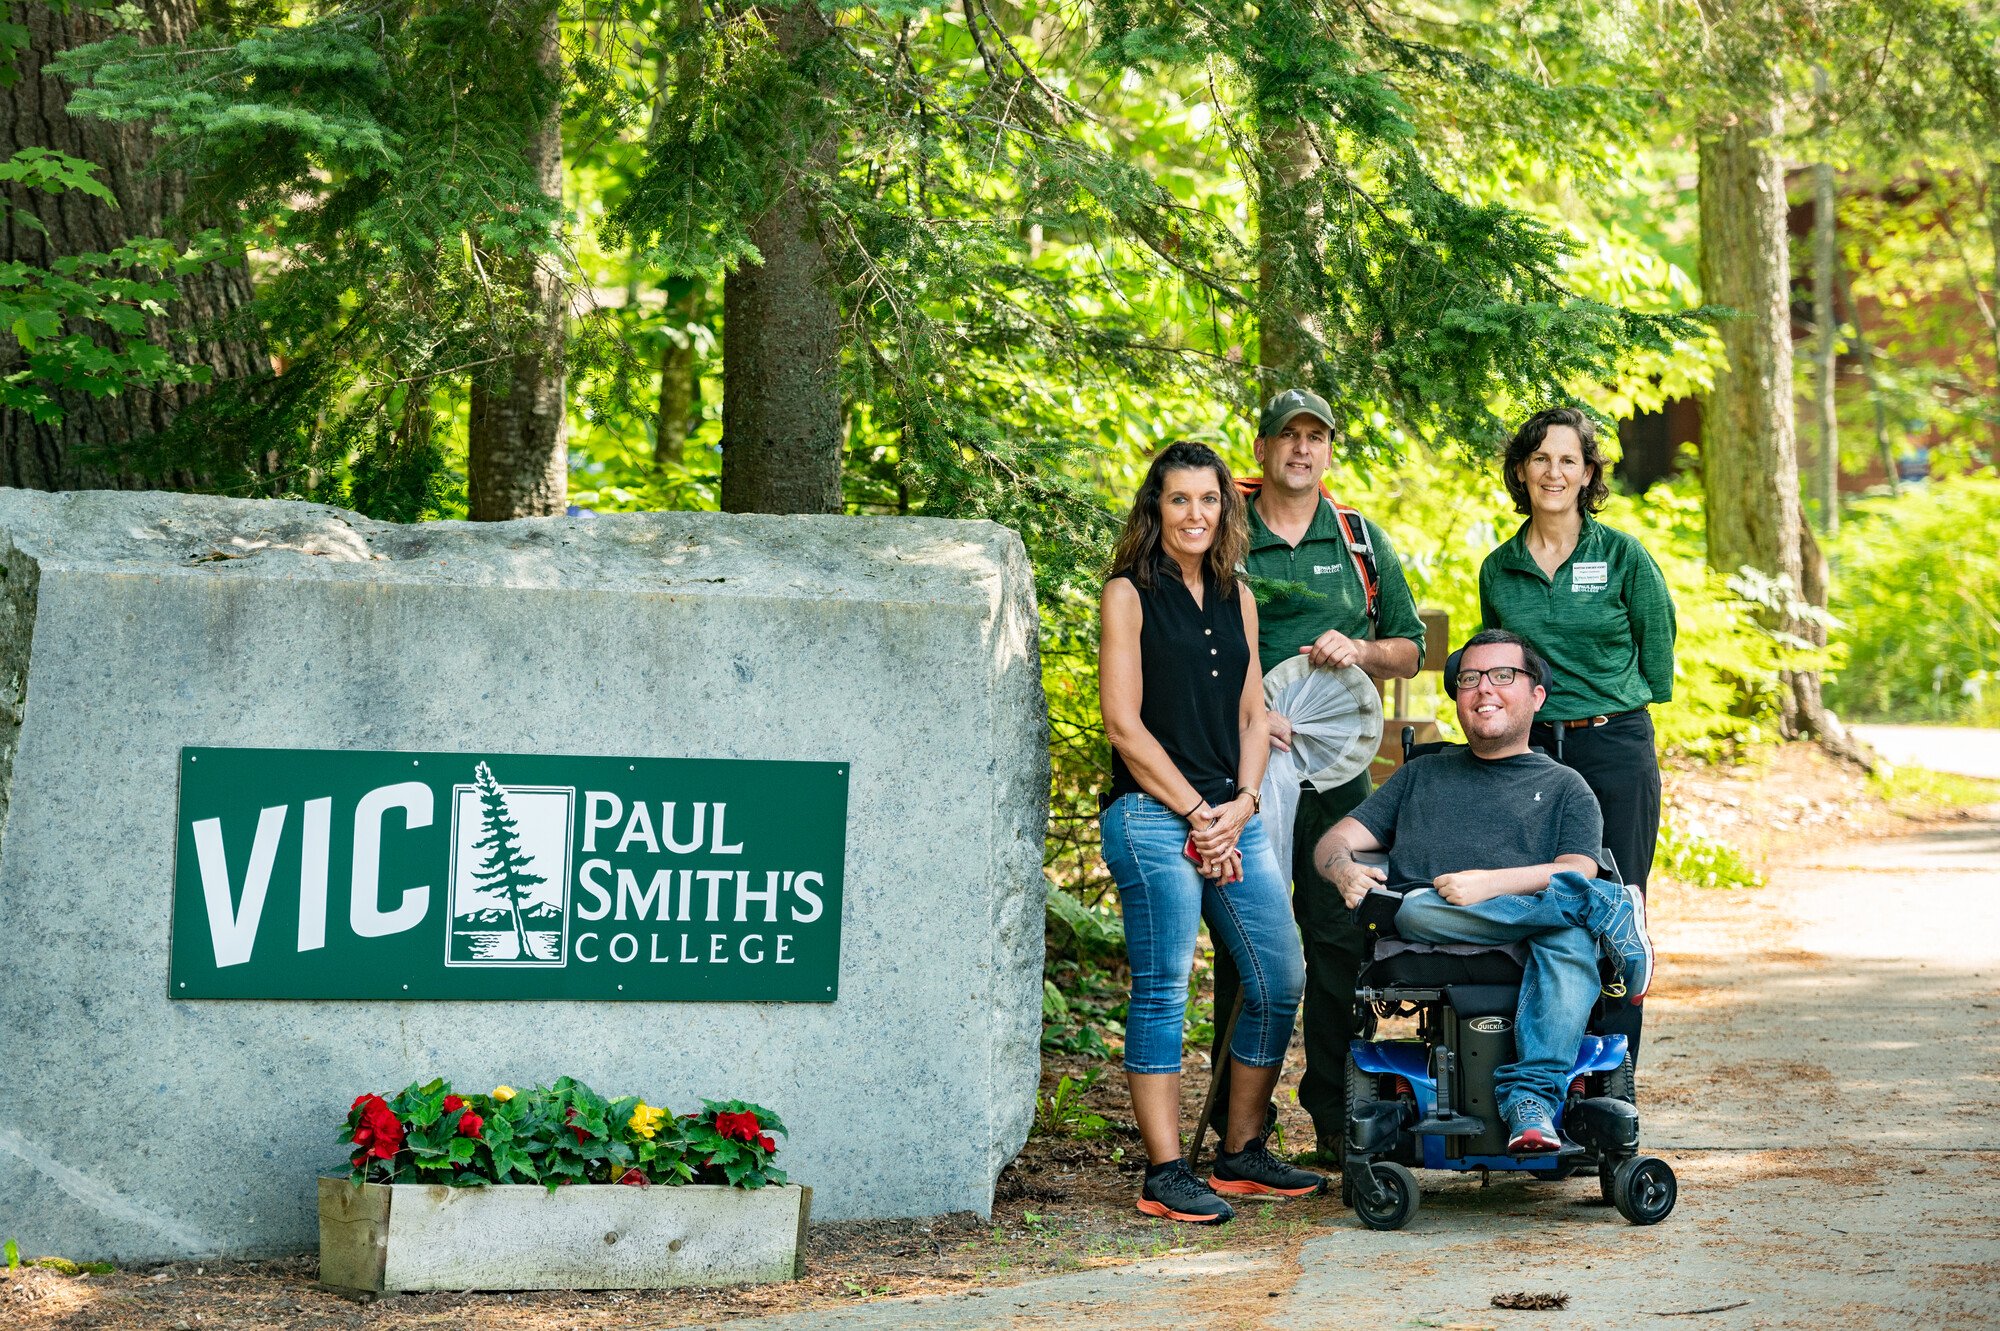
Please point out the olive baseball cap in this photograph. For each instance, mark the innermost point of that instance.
(1290, 403)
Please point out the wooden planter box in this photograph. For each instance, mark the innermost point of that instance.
(409, 1236)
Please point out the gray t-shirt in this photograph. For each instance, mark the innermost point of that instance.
(1450, 811)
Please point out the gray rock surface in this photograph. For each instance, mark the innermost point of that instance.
(131, 624)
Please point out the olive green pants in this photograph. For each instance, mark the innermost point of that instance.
(1334, 949)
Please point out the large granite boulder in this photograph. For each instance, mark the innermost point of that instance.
(136, 626)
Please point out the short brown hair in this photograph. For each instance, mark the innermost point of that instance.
(1138, 550)
(1529, 438)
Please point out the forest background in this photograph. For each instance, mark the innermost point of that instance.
(441, 260)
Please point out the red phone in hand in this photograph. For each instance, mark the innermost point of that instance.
(1194, 856)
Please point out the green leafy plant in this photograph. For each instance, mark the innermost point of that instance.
(1062, 1113)
(1701, 860)
(60, 316)
(13, 1255)
(1076, 1020)
(1918, 598)
(556, 1135)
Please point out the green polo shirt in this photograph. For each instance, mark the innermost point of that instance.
(1604, 621)
(1321, 561)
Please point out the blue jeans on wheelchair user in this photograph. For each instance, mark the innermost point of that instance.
(1164, 899)
(1559, 985)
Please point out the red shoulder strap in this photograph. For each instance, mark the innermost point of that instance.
(1354, 530)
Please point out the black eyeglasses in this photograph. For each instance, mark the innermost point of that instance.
(1501, 676)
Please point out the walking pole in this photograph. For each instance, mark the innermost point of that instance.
(1214, 1083)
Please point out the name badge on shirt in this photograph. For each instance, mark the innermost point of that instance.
(1595, 573)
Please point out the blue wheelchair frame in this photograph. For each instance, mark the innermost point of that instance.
(1411, 1060)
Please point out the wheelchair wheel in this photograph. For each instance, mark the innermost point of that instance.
(1360, 1085)
(1621, 1083)
(1643, 1189)
(1404, 1196)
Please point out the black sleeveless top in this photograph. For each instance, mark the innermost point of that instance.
(1193, 659)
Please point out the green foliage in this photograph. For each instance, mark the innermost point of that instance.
(1918, 598)
(1062, 1113)
(1081, 1005)
(1687, 854)
(81, 324)
(381, 154)
(13, 1252)
(1091, 931)
(1014, 255)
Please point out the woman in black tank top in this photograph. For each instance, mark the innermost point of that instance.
(1183, 703)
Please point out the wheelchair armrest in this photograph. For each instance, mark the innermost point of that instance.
(1376, 915)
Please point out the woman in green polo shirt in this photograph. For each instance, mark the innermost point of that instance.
(1594, 604)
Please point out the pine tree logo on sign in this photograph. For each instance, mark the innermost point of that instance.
(510, 857)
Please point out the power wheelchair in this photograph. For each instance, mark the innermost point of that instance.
(1429, 1102)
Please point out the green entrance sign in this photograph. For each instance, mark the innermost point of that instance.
(336, 873)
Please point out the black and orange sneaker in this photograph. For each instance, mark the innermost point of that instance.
(1173, 1191)
(1255, 1172)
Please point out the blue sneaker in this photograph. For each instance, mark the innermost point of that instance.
(1530, 1130)
(1623, 939)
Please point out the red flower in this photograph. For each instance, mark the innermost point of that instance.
(452, 1102)
(634, 1178)
(569, 1116)
(380, 1132)
(469, 1124)
(742, 1127)
(767, 1143)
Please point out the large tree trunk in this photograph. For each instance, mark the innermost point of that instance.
(1285, 224)
(1750, 468)
(517, 446)
(781, 420)
(47, 457)
(1826, 257)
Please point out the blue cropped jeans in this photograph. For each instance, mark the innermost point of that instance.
(1165, 898)
(1560, 984)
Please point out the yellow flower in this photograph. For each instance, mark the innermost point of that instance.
(646, 1120)
(502, 1094)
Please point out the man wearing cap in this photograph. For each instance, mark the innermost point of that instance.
(1297, 536)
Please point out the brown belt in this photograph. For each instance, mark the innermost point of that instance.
(1595, 721)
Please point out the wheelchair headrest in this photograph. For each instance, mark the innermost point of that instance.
(1546, 679)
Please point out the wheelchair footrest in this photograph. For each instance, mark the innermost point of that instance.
(1449, 1125)
(1604, 1125)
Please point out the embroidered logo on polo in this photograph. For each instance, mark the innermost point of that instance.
(1321, 570)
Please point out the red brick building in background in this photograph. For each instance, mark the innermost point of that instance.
(1652, 440)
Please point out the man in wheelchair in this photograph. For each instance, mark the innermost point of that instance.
(1495, 845)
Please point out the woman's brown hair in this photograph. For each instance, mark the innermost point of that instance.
(1529, 438)
(1139, 551)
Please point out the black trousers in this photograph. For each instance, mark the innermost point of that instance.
(1334, 949)
(1621, 764)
